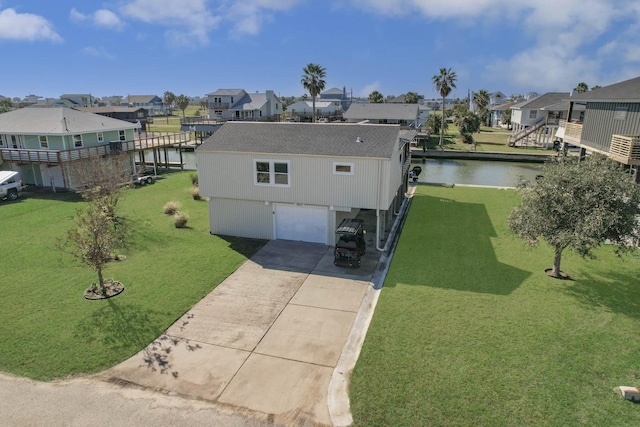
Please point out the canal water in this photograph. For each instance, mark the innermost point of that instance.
(442, 171)
(476, 172)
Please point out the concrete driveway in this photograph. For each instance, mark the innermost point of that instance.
(266, 340)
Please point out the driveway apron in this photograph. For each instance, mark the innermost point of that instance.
(266, 339)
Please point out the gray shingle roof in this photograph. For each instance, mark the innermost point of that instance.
(626, 91)
(541, 101)
(140, 99)
(57, 121)
(251, 101)
(226, 92)
(110, 109)
(382, 112)
(378, 141)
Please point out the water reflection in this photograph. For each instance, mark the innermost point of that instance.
(476, 172)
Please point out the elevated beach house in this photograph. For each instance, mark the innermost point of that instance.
(298, 181)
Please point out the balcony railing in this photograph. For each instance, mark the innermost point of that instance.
(145, 142)
(573, 133)
(221, 105)
(625, 149)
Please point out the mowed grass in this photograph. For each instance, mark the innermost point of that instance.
(48, 330)
(489, 139)
(469, 330)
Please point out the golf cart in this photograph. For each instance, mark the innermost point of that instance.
(350, 245)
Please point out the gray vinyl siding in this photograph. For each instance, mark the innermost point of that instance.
(599, 124)
(243, 218)
(311, 179)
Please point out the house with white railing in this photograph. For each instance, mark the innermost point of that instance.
(238, 104)
(609, 123)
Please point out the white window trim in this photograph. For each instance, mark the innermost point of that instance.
(122, 135)
(272, 173)
(533, 114)
(620, 113)
(335, 167)
(100, 136)
(46, 141)
(75, 145)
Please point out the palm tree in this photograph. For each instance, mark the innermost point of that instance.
(375, 97)
(313, 81)
(411, 98)
(444, 83)
(581, 87)
(169, 99)
(481, 100)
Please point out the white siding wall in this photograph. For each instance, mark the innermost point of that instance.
(243, 218)
(312, 180)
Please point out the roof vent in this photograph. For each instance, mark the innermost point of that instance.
(359, 139)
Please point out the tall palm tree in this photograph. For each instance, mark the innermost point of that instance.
(313, 81)
(375, 97)
(481, 99)
(444, 83)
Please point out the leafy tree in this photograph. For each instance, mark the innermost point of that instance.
(182, 101)
(468, 123)
(389, 98)
(444, 83)
(169, 99)
(596, 87)
(579, 205)
(411, 98)
(97, 231)
(313, 81)
(5, 105)
(481, 100)
(433, 124)
(581, 87)
(375, 97)
(505, 117)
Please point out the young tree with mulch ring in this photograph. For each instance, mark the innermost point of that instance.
(579, 205)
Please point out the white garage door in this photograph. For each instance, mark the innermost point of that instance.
(305, 223)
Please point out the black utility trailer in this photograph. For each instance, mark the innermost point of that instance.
(350, 244)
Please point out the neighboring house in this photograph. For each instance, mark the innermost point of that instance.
(305, 109)
(535, 121)
(402, 114)
(76, 100)
(237, 104)
(610, 122)
(297, 182)
(497, 98)
(128, 114)
(335, 94)
(152, 103)
(495, 112)
(40, 143)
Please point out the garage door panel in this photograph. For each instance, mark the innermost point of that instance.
(304, 223)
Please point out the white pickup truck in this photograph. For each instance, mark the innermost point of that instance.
(10, 185)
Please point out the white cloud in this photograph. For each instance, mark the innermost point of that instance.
(26, 26)
(97, 52)
(366, 91)
(101, 18)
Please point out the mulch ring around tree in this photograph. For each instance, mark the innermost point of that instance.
(562, 276)
(112, 288)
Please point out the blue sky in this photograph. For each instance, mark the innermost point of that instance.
(193, 47)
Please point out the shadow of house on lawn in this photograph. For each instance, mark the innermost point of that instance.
(447, 244)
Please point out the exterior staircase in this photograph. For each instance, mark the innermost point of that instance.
(524, 133)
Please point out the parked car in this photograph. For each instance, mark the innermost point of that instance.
(10, 185)
(351, 245)
(323, 120)
(145, 176)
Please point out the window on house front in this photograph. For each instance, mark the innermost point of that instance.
(44, 143)
(140, 114)
(533, 114)
(77, 141)
(123, 136)
(271, 172)
(100, 137)
(620, 113)
(342, 168)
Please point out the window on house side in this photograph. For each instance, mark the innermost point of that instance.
(620, 113)
(77, 141)
(271, 172)
(44, 143)
(533, 114)
(123, 136)
(2, 137)
(100, 137)
(343, 168)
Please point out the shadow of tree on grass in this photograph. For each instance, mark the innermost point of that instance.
(129, 328)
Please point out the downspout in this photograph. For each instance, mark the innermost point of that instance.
(378, 208)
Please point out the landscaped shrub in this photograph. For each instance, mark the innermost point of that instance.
(181, 219)
(194, 179)
(171, 208)
(195, 193)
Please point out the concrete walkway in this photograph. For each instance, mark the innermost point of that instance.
(266, 340)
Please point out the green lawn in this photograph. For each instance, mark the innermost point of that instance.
(469, 330)
(48, 330)
(488, 139)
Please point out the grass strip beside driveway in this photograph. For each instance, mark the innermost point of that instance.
(469, 330)
(48, 330)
